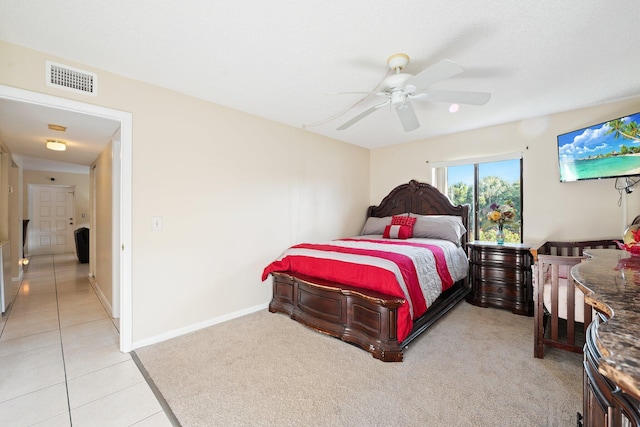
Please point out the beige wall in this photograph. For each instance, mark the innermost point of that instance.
(552, 210)
(234, 191)
(13, 218)
(102, 229)
(15, 221)
(78, 180)
(5, 166)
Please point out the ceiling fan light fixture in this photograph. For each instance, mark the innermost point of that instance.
(56, 145)
(453, 108)
(398, 97)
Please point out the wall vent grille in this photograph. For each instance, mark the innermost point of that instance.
(65, 77)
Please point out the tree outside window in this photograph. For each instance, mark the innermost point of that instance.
(496, 183)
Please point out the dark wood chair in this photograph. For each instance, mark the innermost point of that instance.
(560, 314)
(555, 322)
(572, 248)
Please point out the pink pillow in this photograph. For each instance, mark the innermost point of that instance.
(405, 221)
(397, 232)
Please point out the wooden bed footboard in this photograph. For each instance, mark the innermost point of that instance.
(361, 317)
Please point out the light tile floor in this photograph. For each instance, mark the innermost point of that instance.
(60, 363)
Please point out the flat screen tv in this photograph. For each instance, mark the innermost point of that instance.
(607, 150)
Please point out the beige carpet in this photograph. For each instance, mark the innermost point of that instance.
(475, 367)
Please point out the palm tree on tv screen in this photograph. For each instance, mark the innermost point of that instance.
(628, 130)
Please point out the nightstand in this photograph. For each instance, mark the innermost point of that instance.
(500, 276)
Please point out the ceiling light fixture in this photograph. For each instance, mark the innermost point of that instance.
(55, 145)
(58, 128)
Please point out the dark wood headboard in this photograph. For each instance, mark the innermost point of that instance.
(422, 199)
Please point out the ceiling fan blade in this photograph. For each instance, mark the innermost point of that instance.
(407, 117)
(439, 71)
(362, 115)
(453, 96)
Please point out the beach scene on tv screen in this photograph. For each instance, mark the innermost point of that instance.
(607, 150)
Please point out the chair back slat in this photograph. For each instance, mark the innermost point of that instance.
(571, 314)
(550, 328)
(574, 248)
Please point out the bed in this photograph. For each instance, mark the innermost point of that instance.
(382, 320)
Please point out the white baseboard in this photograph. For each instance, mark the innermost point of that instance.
(19, 278)
(197, 326)
(103, 300)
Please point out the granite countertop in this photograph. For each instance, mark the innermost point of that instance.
(610, 280)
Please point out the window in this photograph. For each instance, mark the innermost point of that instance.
(482, 184)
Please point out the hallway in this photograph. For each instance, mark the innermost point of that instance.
(59, 359)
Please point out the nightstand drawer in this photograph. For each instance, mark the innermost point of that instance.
(500, 258)
(496, 273)
(500, 276)
(497, 290)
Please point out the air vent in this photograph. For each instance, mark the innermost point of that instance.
(65, 77)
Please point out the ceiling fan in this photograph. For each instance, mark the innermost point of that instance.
(399, 88)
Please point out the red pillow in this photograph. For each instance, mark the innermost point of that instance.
(397, 232)
(403, 220)
(406, 222)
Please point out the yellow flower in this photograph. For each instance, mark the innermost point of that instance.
(494, 215)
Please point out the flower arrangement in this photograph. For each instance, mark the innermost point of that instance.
(501, 214)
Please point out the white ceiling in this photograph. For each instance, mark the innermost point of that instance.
(281, 59)
(24, 128)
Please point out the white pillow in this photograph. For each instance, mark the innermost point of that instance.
(375, 225)
(446, 227)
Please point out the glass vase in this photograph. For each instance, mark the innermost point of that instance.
(500, 235)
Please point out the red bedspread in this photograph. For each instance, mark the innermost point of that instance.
(393, 267)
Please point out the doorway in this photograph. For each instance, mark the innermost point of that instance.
(121, 213)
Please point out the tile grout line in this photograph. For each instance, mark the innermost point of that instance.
(64, 363)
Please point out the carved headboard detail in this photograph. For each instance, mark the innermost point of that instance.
(419, 198)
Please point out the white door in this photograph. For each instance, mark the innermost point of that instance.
(52, 219)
